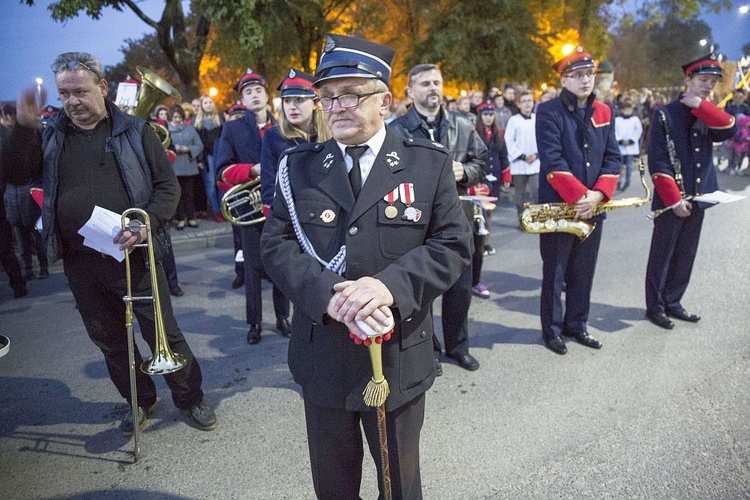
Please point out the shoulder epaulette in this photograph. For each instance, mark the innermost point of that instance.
(425, 143)
(602, 114)
(304, 147)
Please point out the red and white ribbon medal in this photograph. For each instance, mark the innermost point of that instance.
(391, 211)
(406, 190)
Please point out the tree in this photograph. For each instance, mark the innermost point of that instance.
(484, 41)
(183, 43)
(648, 55)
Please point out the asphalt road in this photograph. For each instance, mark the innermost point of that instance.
(653, 414)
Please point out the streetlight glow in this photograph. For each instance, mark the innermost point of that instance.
(39, 81)
(212, 91)
(567, 49)
(744, 9)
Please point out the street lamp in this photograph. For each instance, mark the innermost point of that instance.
(744, 9)
(39, 83)
(213, 91)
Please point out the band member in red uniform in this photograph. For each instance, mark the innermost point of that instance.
(238, 160)
(680, 148)
(580, 163)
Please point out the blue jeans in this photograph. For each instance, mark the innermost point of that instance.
(209, 181)
(627, 162)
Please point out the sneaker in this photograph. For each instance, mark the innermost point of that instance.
(43, 274)
(480, 291)
(126, 427)
(489, 250)
(203, 416)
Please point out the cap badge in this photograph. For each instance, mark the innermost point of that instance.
(292, 73)
(330, 45)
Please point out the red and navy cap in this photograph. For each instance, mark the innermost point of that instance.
(578, 59)
(250, 77)
(236, 108)
(346, 56)
(485, 107)
(297, 84)
(706, 65)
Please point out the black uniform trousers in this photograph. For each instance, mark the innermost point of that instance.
(455, 316)
(566, 260)
(254, 272)
(7, 252)
(674, 244)
(98, 284)
(336, 449)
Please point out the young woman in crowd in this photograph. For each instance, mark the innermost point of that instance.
(188, 146)
(208, 122)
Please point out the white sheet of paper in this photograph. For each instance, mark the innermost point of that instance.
(719, 197)
(99, 231)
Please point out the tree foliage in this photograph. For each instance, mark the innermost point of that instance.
(647, 54)
(183, 43)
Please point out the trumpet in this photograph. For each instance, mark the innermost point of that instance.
(163, 361)
(241, 205)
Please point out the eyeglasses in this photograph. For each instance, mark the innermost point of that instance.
(345, 100)
(73, 65)
(580, 76)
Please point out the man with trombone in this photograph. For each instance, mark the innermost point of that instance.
(96, 155)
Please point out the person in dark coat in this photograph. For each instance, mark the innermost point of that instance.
(238, 161)
(96, 155)
(580, 164)
(691, 123)
(367, 228)
(300, 121)
(428, 119)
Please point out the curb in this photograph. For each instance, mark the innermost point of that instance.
(208, 234)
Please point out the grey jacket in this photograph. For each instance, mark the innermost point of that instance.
(185, 135)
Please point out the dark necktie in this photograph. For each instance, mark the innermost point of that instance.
(355, 174)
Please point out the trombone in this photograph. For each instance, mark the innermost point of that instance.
(163, 361)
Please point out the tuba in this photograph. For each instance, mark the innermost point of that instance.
(241, 205)
(163, 361)
(153, 90)
(561, 217)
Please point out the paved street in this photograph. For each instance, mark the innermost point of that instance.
(654, 414)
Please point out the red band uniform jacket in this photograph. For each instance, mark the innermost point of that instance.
(576, 153)
(416, 260)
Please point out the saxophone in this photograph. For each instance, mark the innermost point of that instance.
(561, 217)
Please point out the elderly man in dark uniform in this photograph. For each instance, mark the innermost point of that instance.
(680, 144)
(364, 227)
(96, 155)
(580, 163)
(238, 155)
(428, 119)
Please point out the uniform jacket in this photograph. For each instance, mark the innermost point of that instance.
(416, 260)
(576, 154)
(146, 172)
(274, 145)
(693, 139)
(240, 142)
(459, 136)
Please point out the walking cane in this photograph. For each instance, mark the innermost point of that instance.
(375, 394)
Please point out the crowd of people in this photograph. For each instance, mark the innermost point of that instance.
(341, 171)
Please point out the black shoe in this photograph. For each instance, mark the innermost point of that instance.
(43, 274)
(584, 338)
(438, 368)
(176, 291)
(556, 344)
(660, 319)
(20, 291)
(253, 334)
(126, 427)
(465, 361)
(238, 282)
(683, 315)
(203, 416)
(283, 326)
